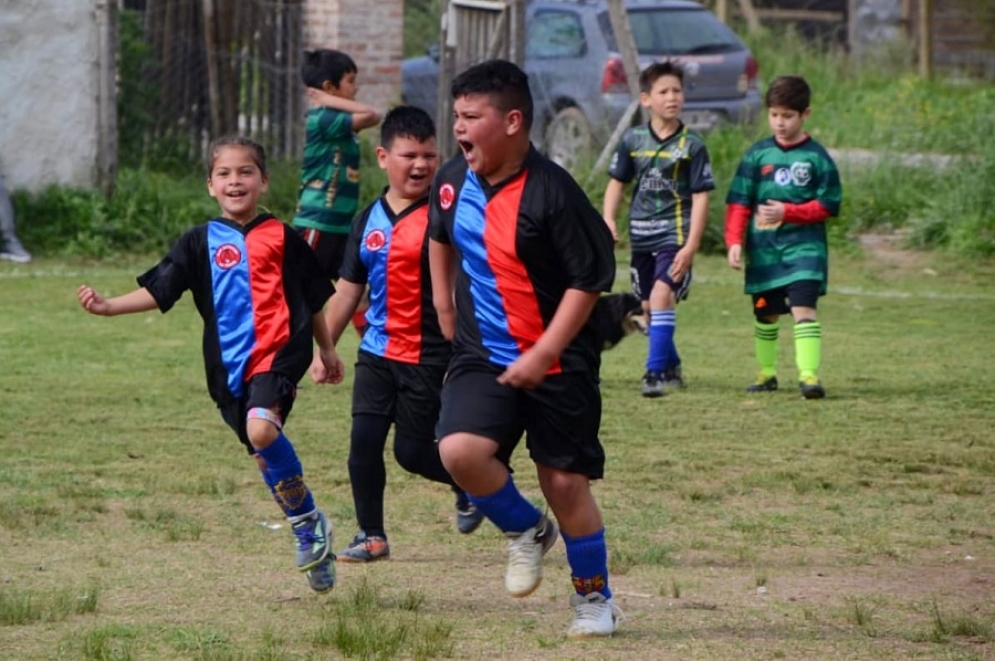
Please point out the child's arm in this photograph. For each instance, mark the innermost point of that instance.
(529, 370)
(341, 306)
(363, 116)
(699, 218)
(737, 217)
(331, 368)
(139, 300)
(613, 197)
(442, 266)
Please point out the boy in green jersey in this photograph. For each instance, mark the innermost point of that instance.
(784, 189)
(329, 193)
(673, 175)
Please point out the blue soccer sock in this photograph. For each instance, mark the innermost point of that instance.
(508, 509)
(588, 559)
(661, 339)
(286, 478)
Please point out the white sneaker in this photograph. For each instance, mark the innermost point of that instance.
(525, 551)
(594, 616)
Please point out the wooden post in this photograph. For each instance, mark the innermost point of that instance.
(925, 38)
(626, 46)
(211, 62)
(722, 10)
(106, 13)
(750, 14)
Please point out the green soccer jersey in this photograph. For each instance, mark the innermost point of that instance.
(667, 173)
(329, 193)
(789, 252)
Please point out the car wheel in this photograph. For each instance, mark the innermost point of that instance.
(568, 137)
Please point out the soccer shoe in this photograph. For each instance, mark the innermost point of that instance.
(594, 616)
(525, 552)
(811, 388)
(365, 549)
(321, 578)
(468, 517)
(314, 539)
(763, 383)
(652, 384)
(673, 379)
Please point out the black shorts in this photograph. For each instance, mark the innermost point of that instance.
(268, 390)
(328, 247)
(560, 418)
(801, 293)
(407, 394)
(645, 268)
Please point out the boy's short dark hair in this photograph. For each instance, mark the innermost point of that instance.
(658, 70)
(503, 81)
(325, 64)
(789, 92)
(406, 122)
(256, 149)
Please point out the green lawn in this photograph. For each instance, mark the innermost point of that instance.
(133, 525)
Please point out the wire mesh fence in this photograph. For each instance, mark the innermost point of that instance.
(193, 70)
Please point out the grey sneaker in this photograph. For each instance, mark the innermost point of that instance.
(525, 552)
(13, 251)
(321, 578)
(314, 539)
(652, 384)
(594, 616)
(365, 548)
(468, 517)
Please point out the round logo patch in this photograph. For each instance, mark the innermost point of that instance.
(375, 240)
(447, 195)
(227, 255)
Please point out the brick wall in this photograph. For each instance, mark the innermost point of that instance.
(371, 32)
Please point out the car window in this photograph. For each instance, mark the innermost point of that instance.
(554, 34)
(676, 32)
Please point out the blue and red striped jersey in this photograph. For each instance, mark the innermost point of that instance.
(389, 252)
(256, 287)
(520, 245)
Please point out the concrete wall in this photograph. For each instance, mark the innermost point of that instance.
(372, 33)
(50, 93)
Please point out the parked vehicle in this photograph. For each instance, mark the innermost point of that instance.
(578, 79)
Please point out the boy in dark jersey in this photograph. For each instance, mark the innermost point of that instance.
(257, 286)
(667, 215)
(403, 355)
(784, 189)
(518, 258)
(329, 192)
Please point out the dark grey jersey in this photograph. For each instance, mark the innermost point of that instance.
(667, 173)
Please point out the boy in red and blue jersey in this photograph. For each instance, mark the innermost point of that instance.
(258, 288)
(519, 258)
(403, 355)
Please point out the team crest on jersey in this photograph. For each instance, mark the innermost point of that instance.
(375, 240)
(801, 173)
(447, 195)
(227, 256)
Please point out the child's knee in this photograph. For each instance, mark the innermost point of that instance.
(262, 426)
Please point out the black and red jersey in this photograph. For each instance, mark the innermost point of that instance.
(520, 245)
(389, 252)
(257, 288)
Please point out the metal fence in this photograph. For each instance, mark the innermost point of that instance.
(200, 69)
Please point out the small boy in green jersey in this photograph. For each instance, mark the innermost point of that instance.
(667, 214)
(785, 188)
(329, 193)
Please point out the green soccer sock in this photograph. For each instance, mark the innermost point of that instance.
(765, 343)
(808, 347)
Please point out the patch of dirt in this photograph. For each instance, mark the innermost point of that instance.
(890, 249)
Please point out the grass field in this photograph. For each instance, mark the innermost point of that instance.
(862, 526)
